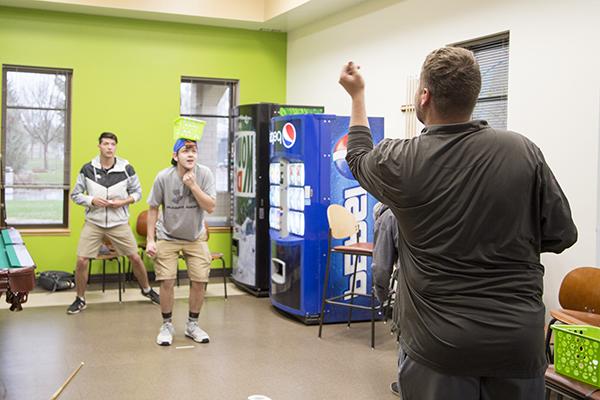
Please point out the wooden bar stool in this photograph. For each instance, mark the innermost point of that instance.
(342, 224)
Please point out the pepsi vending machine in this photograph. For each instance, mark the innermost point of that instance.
(307, 173)
(250, 240)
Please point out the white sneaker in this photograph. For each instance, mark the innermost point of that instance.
(192, 330)
(165, 335)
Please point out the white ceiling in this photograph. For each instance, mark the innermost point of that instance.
(277, 15)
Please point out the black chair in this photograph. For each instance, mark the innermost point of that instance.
(111, 255)
(220, 256)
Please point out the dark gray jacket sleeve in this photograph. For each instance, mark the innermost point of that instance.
(383, 170)
(385, 253)
(558, 231)
(364, 161)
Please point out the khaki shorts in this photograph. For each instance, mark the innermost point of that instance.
(92, 236)
(196, 255)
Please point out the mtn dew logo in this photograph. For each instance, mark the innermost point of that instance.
(244, 163)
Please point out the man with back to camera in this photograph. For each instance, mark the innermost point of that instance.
(186, 190)
(476, 206)
(106, 186)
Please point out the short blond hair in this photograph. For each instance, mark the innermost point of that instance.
(453, 78)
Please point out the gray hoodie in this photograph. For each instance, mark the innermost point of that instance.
(118, 182)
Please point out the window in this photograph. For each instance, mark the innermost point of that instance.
(213, 101)
(492, 55)
(36, 146)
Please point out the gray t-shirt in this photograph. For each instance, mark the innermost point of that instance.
(181, 217)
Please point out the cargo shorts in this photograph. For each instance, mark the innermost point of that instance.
(195, 253)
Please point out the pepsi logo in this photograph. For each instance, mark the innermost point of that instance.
(339, 157)
(288, 135)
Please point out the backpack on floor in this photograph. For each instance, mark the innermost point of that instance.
(56, 280)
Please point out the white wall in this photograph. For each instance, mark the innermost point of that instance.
(554, 81)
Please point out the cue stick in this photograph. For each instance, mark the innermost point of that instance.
(64, 385)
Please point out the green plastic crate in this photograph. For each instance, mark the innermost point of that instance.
(188, 128)
(577, 352)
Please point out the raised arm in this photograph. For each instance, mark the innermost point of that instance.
(363, 160)
(353, 82)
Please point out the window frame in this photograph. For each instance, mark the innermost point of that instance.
(485, 41)
(233, 85)
(67, 145)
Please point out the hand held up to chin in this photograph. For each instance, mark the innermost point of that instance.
(189, 178)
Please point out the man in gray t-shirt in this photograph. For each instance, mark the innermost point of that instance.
(185, 192)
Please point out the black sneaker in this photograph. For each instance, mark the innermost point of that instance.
(77, 306)
(152, 295)
(394, 389)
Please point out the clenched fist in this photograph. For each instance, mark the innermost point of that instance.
(189, 178)
(352, 80)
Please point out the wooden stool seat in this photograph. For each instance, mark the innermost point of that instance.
(356, 249)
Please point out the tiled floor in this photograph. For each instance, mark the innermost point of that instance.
(253, 350)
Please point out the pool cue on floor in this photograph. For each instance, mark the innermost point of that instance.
(64, 385)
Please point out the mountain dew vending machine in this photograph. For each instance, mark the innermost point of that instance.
(250, 240)
(307, 173)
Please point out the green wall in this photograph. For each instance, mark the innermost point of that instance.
(126, 76)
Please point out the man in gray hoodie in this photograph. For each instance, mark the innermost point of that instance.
(105, 187)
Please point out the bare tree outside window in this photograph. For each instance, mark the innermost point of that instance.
(35, 146)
